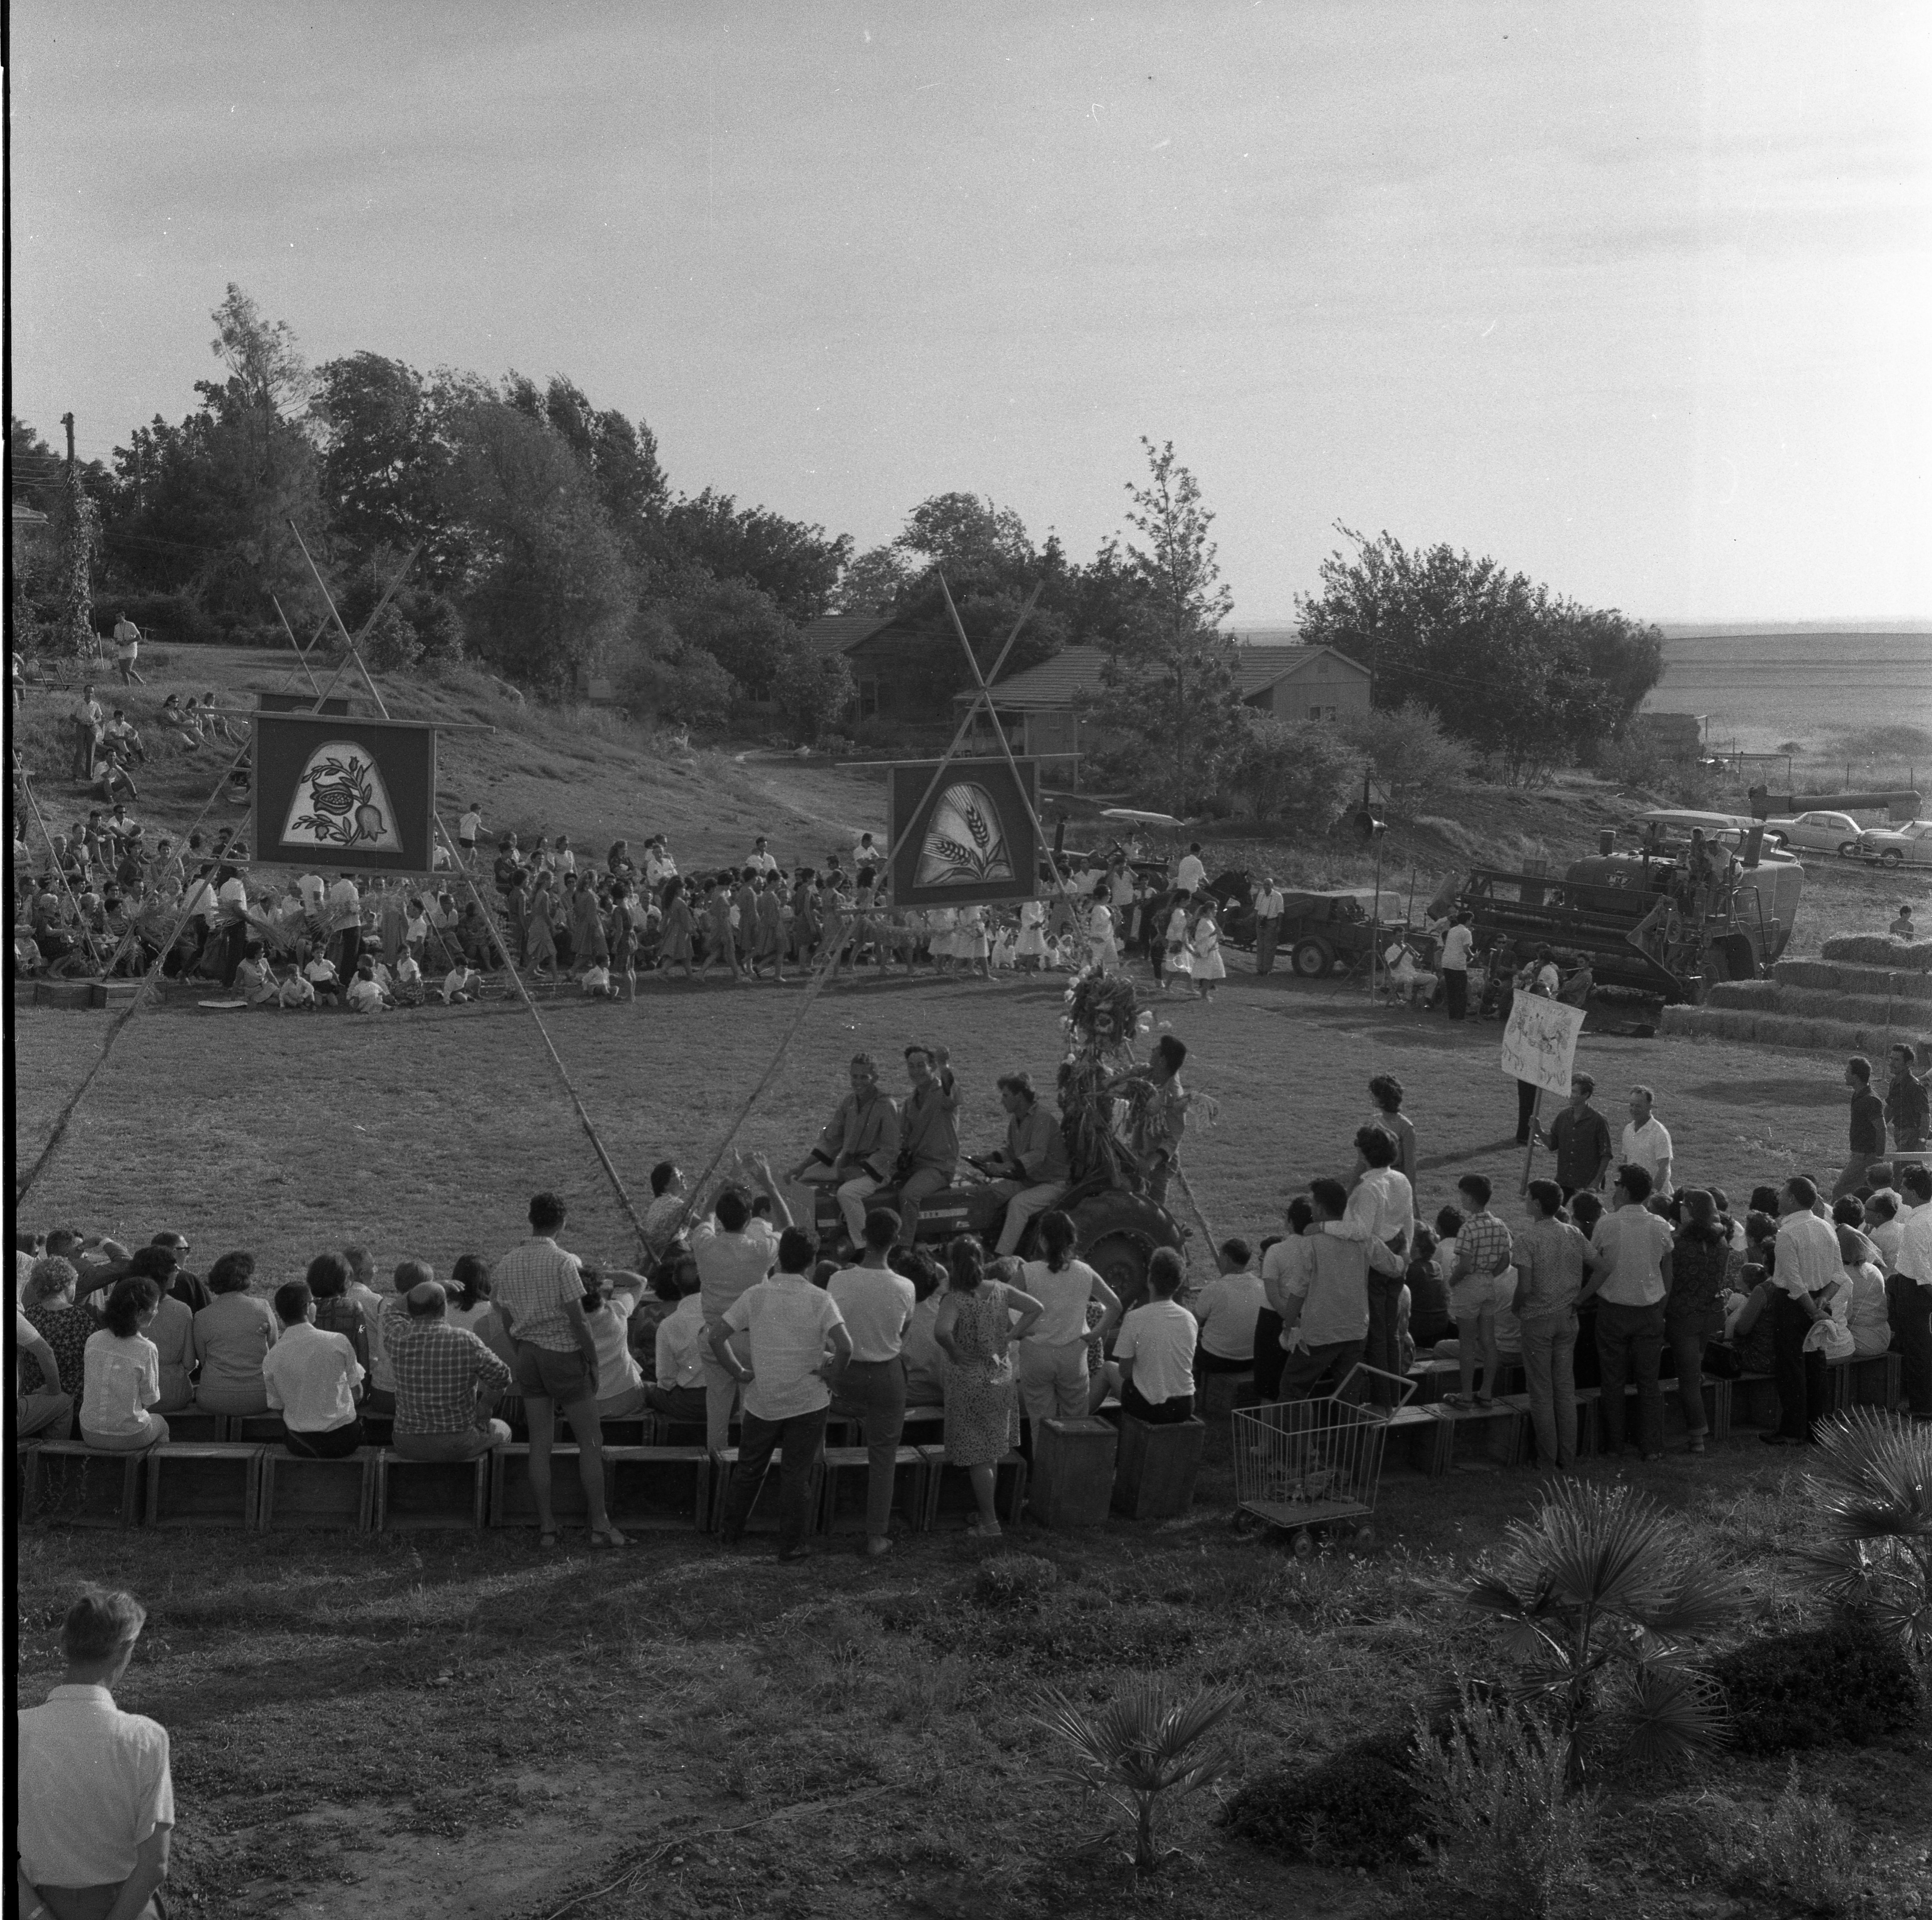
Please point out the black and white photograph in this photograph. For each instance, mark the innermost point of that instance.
(969, 962)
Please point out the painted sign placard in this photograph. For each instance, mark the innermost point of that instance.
(336, 791)
(1540, 1041)
(973, 841)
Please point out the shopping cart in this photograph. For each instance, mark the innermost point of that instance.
(1309, 1463)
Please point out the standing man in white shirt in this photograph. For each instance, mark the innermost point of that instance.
(469, 825)
(1191, 876)
(127, 651)
(800, 1349)
(1808, 1262)
(1645, 1142)
(762, 861)
(95, 1799)
(876, 1304)
(1457, 945)
(866, 852)
(1269, 906)
(1630, 1277)
(1908, 1290)
(734, 1251)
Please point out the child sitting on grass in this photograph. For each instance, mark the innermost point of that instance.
(324, 983)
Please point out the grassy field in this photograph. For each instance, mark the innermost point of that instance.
(408, 1726)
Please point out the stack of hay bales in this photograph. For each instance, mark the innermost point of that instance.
(1868, 993)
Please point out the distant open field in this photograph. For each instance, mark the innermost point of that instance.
(1822, 688)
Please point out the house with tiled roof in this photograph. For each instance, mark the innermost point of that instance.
(891, 663)
(1039, 708)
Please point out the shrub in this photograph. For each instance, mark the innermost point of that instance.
(1408, 750)
(1358, 1807)
(1496, 1789)
(1800, 1848)
(1014, 1580)
(1842, 1682)
(1872, 1489)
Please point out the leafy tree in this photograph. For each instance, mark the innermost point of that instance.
(621, 458)
(1294, 770)
(738, 626)
(1409, 749)
(206, 505)
(873, 582)
(1517, 672)
(794, 565)
(1168, 680)
(385, 454)
(80, 551)
(550, 591)
(814, 692)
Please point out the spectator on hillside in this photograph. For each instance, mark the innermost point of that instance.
(84, 723)
(95, 1804)
(39, 1407)
(122, 1376)
(311, 1376)
(1902, 928)
(799, 1350)
(538, 1290)
(447, 1381)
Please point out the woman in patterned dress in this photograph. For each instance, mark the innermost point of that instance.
(974, 1330)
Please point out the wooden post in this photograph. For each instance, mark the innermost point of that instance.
(1529, 1152)
(66, 421)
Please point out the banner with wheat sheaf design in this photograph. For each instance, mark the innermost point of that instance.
(972, 840)
(339, 791)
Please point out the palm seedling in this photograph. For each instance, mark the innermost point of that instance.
(1872, 1492)
(1143, 1746)
(1600, 1593)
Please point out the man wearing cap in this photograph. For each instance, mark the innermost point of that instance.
(855, 1153)
(1031, 1173)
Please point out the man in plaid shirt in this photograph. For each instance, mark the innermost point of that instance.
(446, 1380)
(1482, 1250)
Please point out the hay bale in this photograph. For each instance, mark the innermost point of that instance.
(1742, 994)
(1820, 975)
(1880, 950)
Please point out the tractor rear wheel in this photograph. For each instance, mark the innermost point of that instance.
(1121, 1261)
(1312, 959)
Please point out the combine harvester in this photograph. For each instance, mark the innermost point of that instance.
(1643, 920)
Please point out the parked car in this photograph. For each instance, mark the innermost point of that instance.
(1821, 833)
(1908, 845)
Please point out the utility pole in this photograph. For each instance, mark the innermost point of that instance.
(66, 421)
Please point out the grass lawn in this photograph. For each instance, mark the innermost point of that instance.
(429, 1725)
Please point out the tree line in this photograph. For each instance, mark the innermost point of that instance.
(550, 545)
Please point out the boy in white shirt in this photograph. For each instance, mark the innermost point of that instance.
(1154, 1349)
(1229, 1305)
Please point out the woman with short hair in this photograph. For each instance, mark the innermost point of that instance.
(233, 1333)
(1052, 1372)
(122, 1380)
(66, 1328)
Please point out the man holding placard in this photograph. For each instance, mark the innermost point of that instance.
(1540, 1048)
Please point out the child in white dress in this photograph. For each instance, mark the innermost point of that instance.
(1204, 946)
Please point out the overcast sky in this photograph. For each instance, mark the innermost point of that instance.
(1632, 297)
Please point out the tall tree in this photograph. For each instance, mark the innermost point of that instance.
(1168, 679)
(549, 591)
